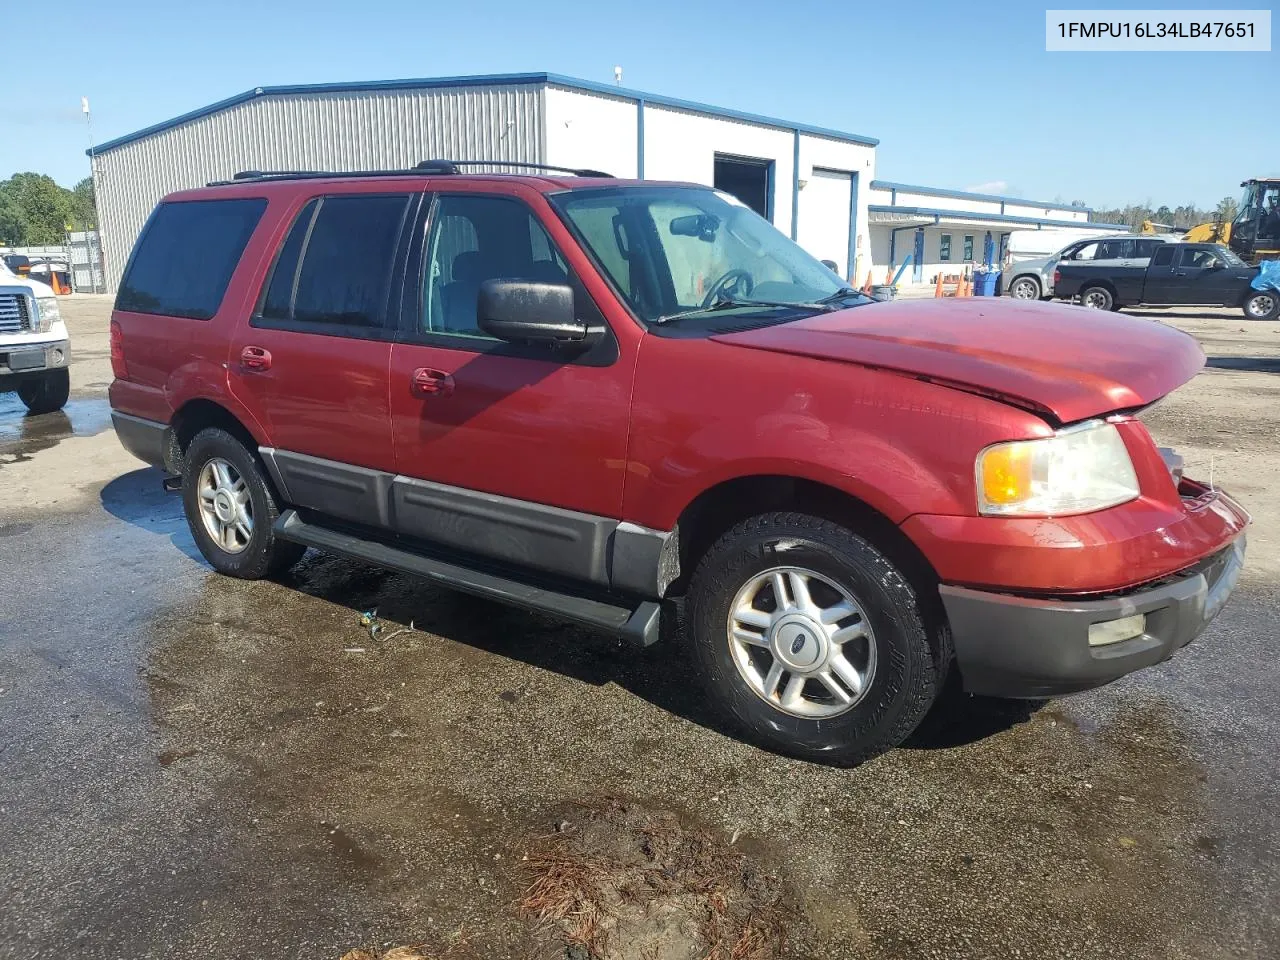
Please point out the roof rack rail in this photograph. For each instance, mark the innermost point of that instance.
(520, 165)
(437, 167)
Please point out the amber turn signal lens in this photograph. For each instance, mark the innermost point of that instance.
(1006, 474)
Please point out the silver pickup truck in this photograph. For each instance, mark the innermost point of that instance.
(1033, 279)
(35, 350)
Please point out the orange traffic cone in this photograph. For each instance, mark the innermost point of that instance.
(866, 287)
(937, 287)
(888, 276)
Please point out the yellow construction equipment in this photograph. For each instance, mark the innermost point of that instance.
(1254, 234)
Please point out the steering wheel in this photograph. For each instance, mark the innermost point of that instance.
(737, 280)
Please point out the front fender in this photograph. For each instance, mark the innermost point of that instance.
(704, 413)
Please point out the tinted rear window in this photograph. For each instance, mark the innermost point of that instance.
(347, 245)
(186, 255)
(1162, 257)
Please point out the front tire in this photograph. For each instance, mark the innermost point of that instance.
(809, 639)
(46, 393)
(231, 509)
(1262, 305)
(1025, 288)
(1097, 298)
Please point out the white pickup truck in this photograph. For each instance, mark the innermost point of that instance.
(35, 351)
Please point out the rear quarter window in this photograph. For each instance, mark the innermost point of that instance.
(186, 255)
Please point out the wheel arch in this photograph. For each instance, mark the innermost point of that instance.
(714, 511)
(198, 414)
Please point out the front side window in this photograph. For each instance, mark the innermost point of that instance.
(334, 268)
(478, 238)
(1087, 252)
(684, 251)
(1163, 257)
(186, 256)
(944, 247)
(1115, 249)
(1198, 258)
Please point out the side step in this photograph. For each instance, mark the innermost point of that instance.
(638, 626)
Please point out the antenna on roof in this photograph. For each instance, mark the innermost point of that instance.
(617, 75)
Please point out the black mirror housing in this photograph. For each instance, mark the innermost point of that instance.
(529, 311)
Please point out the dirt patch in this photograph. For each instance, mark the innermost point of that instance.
(619, 882)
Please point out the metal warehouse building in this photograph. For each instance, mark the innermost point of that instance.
(805, 179)
(815, 184)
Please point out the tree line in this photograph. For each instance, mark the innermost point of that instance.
(35, 211)
(1181, 218)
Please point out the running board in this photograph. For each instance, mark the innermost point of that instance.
(638, 626)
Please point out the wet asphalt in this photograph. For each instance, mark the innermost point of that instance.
(192, 766)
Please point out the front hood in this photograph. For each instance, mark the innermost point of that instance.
(33, 287)
(1068, 363)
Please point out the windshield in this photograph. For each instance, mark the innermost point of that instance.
(1229, 257)
(682, 251)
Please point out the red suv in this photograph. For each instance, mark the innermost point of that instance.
(622, 401)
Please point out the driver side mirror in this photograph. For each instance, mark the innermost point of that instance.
(529, 311)
(1215, 264)
(831, 265)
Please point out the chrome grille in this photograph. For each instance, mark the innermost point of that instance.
(15, 316)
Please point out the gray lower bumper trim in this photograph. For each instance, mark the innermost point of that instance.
(145, 439)
(1011, 646)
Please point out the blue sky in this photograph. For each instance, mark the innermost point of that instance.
(960, 95)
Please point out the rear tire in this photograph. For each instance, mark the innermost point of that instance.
(46, 393)
(1025, 288)
(1262, 305)
(231, 509)
(1097, 298)
(856, 697)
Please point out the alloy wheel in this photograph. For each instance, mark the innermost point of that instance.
(225, 506)
(802, 643)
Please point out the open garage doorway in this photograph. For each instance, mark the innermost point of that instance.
(748, 179)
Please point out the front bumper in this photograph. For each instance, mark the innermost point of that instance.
(1010, 646)
(20, 360)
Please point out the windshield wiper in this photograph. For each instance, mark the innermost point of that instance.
(729, 303)
(844, 293)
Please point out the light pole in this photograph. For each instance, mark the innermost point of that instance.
(97, 264)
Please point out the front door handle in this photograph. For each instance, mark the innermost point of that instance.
(255, 359)
(428, 382)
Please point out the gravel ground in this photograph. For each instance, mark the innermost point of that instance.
(201, 767)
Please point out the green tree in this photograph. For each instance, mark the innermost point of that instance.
(39, 206)
(1226, 210)
(80, 204)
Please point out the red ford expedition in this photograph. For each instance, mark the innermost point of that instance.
(613, 400)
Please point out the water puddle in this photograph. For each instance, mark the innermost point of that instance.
(23, 435)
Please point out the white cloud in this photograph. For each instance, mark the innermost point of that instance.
(992, 186)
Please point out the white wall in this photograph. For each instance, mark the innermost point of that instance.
(976, 204)
(681, 145)
(822, 222)
(591, 130)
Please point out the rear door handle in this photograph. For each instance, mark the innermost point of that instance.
(255, 359)
(428, 382)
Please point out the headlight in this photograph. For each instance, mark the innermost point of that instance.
(1078, 470)
(46, 314)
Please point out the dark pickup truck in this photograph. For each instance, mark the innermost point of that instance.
(1201, 274)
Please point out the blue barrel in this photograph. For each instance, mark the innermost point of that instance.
(984, 284)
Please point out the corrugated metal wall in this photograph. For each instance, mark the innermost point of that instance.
(382, 129)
